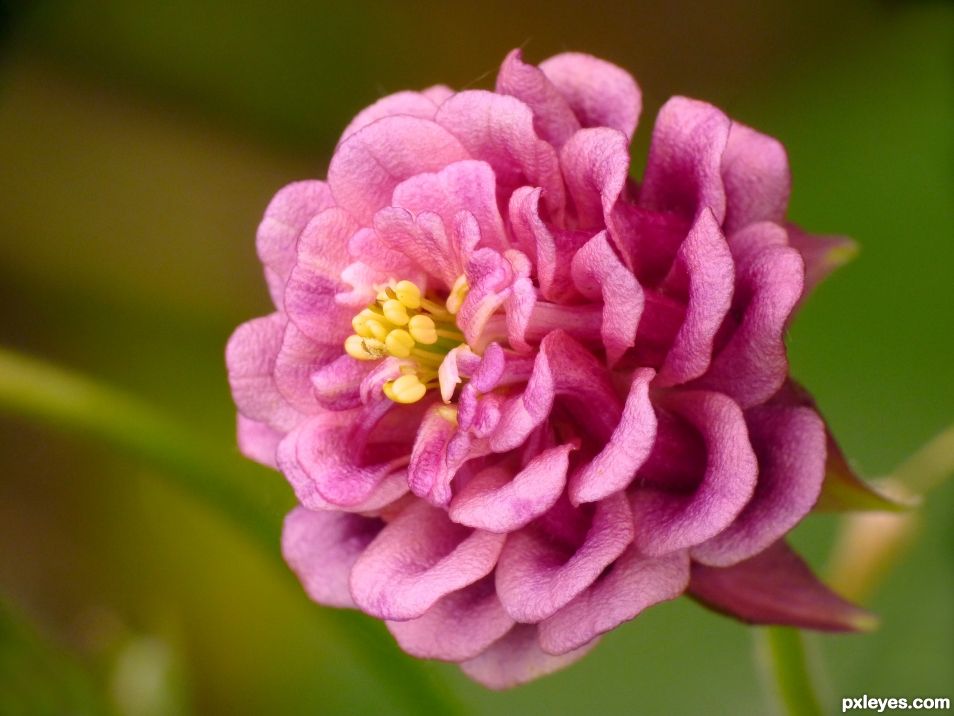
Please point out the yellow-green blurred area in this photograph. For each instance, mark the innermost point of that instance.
(139, 145)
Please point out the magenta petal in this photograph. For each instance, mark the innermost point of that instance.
(286, 216)
(370, 163)
(250, 358)
(298, 360)
(756, 177)
(600, 93)
(822, 254)
(789, 443)
(462, 186)
(431, 469)
(633, 583)
(684, 168)
(595, 166)
(337, 385)
(670, 521)
(418, 558)
(599, 274)
(459, 626)
(516, 659)
(499, 130)
(498, 501)
(776, 587)
(536, 576)
(410, 104)
(553, 118)
(258, 441)
(615, 466)
(322, 547)
(753, 365)
(703, 272)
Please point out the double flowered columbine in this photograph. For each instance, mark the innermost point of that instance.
(522, 397)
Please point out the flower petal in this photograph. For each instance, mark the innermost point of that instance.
(776, 587)
(299, 359)
(595, 166)
(498, 501)
(459, 626)
(600, 93)
(684, 168)
(822, 254)
(667, 521)
(789, 442)
(756, 177)
(516, 659)
(418, 558)
(536, 576)
(369, 164)
(410, 104)
(633, 583)
(321, 547)
(615, 466)
(432, 469)
(258, 441)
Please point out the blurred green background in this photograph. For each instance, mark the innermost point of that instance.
(139, 145)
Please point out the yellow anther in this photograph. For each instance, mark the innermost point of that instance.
(423, 329)
(457, 294)
(359, 321)
(399, 343)
(407, 389)
(364, 348)
(408, 293)
(376, 329)
(395, 311)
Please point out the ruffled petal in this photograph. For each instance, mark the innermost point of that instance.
(667, 521)
(499, 130)
(516, 659)
(321, 547)
(633, 583)
(432, 469)
(615, 466)
(598, 274)
(553, 119)
(498, 501)
(789, 442)
(776, 587)
(756, 177)
(298, 360)
(600, 93)
(418, 558)
(409, 104)
(703, 272)
(369, 164)
(595, 166)
(286, 216)
(258, 441)
(536, 575)
(684, 168)
(458, 627)
(337, 385)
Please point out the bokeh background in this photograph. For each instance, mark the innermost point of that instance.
(139, 145)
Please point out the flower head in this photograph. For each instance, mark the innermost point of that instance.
(520, 396)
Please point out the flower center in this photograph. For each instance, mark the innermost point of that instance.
(406, 324)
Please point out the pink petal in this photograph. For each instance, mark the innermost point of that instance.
(789, 442)
(704, 273)
(410, 104)
(752, 366)
(421, 240)
(498, 501)
(337, 385)
(462, 186)
(499, 130)
(418, 558)
(776, 587)
(684, 168)
(668, 521)
(258, 441)
(633, 583)
(536, 575)
(369, 164)
(599, 274)
(298, 360)
(516, 659)
(321, 548)
(553, 119)
(431, 469)
(459, 626)
(286, 216)
(615, 466)
(595, 166)
(250, 357)
(756, 177)
(600, 93)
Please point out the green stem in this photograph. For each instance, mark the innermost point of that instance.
(220, 478)
(782, 655)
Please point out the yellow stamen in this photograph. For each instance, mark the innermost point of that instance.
(399, 343)
(423, 329)
(408, 293)
(377, 329)
(457, 295)
(395, 311)
(406, 390)
(364, 348)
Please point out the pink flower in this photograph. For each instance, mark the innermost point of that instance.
(521, 397)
